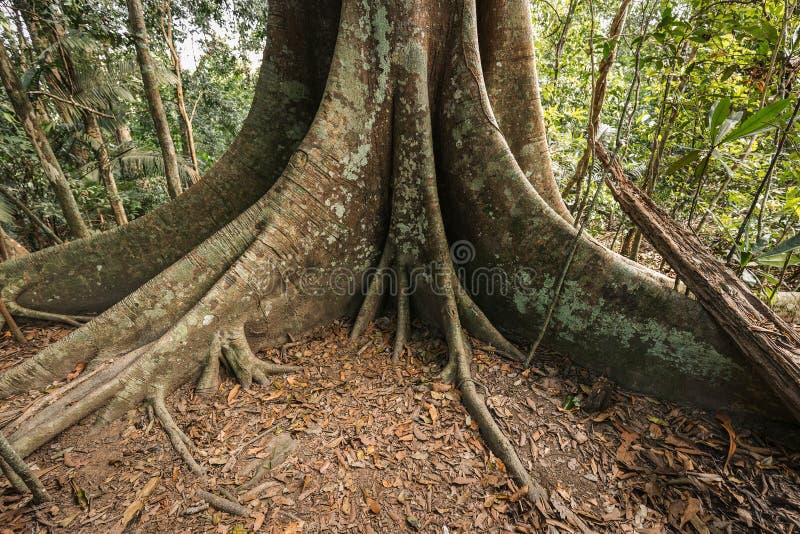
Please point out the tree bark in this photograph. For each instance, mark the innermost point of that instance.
(104, 168)
(153, 97)
(30, 123)
(772, 345)
(508, 60)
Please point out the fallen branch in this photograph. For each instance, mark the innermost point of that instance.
(764, 338)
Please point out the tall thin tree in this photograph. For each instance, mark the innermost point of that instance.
(599, 93)
(187, 132)
(153, 97)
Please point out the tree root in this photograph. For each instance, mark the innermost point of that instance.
(182, 443)
(19, 473)
(375, 292)
(233, 350)
(418, 172)
(21, 311)
(403, 313)
(222, 504)
(12, 476)
(476, 322)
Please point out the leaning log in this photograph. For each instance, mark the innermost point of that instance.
(765, 339)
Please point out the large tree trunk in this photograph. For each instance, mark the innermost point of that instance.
(30, 123)
(153, 97)
(389, 148)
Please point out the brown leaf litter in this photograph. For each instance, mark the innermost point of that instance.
(355, 443)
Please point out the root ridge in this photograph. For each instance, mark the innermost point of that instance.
(180, 441)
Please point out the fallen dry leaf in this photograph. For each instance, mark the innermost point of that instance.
(78, 370)
(726, 423)
(233, 393)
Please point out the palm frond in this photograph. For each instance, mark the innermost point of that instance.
(6, 211)
(140, 164)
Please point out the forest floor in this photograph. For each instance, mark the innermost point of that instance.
(357, 443)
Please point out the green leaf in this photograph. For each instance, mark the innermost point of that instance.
(680, 163)
(760, 121)
(571, 402)
(777, 260)
(727, 125)
(719, 112)
(792, 243)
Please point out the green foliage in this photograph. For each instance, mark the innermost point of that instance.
(223, 84)
(714, 82)
(88, 44)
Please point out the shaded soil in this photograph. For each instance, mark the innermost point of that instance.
(381, 448)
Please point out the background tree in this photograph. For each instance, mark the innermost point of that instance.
(153, 97)
(30, 122)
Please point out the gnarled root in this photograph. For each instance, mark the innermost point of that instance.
(19, 473)
(231, 348)
(182, 443)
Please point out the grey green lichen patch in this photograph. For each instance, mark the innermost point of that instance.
(382, 28)
(578, 316)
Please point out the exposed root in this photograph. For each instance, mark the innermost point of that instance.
(209, 379)
(13, 477)
(477, 324)
(375, 292)
(222, 504)
(12, 324)
(233, 350)
(490, 431)
(21, 311)
(414, 148)
(72, 404)
(182, 443)
(403, 314)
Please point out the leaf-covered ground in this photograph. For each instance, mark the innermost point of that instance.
(355, 443)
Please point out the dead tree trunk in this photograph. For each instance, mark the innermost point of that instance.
(772, 345)
(30, 123)
(153, 97)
